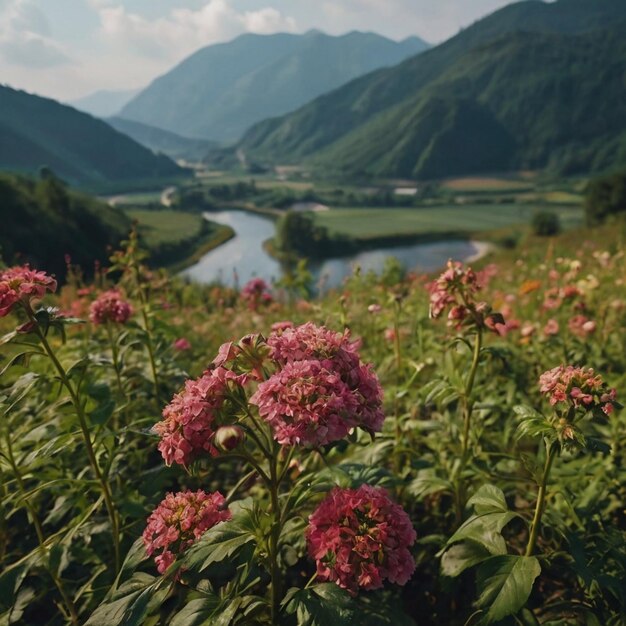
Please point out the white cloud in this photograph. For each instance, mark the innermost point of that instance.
(184, 30)
(25, 36)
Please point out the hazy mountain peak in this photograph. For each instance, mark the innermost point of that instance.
(221, 90)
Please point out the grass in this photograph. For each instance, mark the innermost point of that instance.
(366, 223)
(159, 227)
(177, 239)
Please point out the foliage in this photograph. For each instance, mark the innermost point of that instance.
(517, 502)
(44, 221)
(38, 132)
(605, 196)
(545, 224)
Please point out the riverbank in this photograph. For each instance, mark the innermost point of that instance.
(178, 239)
(220, 236)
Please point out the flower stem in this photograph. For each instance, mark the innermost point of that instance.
(541, 498)
(274, 537)
(396, 404)
(146, 327)
(84, 427)
(116, 365)
(468, 405)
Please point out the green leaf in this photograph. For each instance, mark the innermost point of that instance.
(196, 612)
(320, 605)
(131, 603)
(461, 557)
(505, 583)
(428, 483)
(488, 499)
(224, 541)
(485, 530)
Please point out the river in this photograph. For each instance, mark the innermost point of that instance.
(243, 257)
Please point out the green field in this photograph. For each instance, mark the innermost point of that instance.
(162, 227)
(365, 223)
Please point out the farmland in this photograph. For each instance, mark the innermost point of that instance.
(364, 223)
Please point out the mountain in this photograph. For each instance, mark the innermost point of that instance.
(104, 103)
(36, 132)
(533, 85)
(223, 89)
(159, 140)
(43, 221)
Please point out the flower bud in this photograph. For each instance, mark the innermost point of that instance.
(227, 438)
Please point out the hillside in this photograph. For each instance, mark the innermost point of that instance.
(44, 221)
(158, 140)
(517, 89)
(222, 89)
(36, 132)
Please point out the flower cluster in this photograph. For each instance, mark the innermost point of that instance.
(581, 326)
(256, 292)
(21, 284)
(318, 366)
(577, 387)
(179, 520)
(456, 282)
(455, 290)
(359, 538)
(189, 420)
(109, 306)
(305, 403)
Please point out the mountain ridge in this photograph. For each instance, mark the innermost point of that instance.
(220, 90)
(327, 130)
(37, 131)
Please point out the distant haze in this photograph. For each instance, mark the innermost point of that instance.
(104, 103)
(68, 49)
(221, 90)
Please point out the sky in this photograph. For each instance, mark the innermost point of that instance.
(67, 49)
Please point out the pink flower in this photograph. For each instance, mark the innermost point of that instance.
(189, 420)
(278, 327)
(179, 520)
(255, 292)
(581, 326)
(21, 284)
(109, 306)
(359, 538)
(182, 344)
(577, 387)
(307, 404)
(551, 328)
(455, 290)
(336, 353)
(374, 308)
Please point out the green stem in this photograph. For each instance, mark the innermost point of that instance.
(541, 499)
(396, 407)
(274, 538)
(146, 327)
(468, 405)
(116, 367)
(84, 427)
(69, 605)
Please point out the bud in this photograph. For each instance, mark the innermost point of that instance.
(227, 438)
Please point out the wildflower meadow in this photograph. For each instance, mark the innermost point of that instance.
(408, 449)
